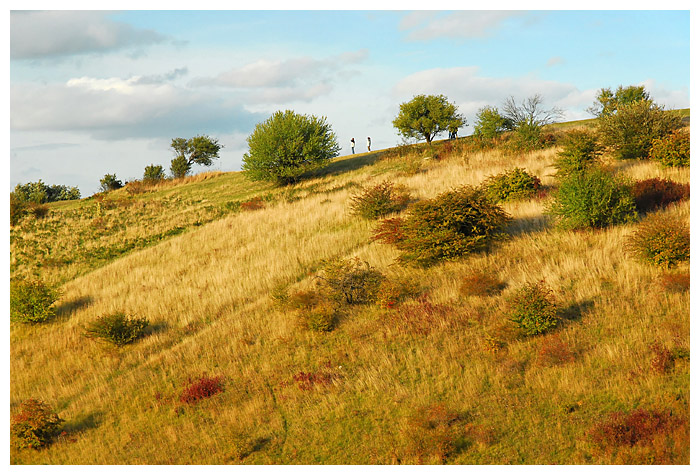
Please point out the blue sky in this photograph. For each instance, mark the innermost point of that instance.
(96, 92)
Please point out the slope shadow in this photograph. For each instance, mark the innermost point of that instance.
(66, 309)
(83, 423)
(345, 164)
(534, 224)
(575, 311)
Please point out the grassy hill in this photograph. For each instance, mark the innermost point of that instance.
(203, 259)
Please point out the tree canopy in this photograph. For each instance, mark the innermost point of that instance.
(423, 117)
(287, 145)
(607, 103)
(201, 150)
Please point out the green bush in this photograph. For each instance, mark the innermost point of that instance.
(110, 182)
(661, 240)
(672, 150)
(31, 301)
(350, 281)
(287, 145)
(631, 131)
(533, 309)
(580, 149)
(594, 198)
(446, 227)
(379, 200)
(490, 123)
(34, 425)
(117, 328)
(153, 173)
(511, 185)
(314, 310)
(18, 208)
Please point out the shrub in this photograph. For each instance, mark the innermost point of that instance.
(481, 283)
(393, 292)
(489, 123)
(31, 301)
(553, 351)
(636, 427)
(18, 208)
(324, 376)
(631, 130)
(153, 173)
(110, 182)
(593, 198)
(39, 211)
(672, 150)
(580, 150)
(350, 281)
(676, 282)
(287, 145)
(447, 227)
(511, 185)
(655, 193)
(201, 388)
(422, 317)
(34, 425)
(433, 434)
(533, 309)
(379, 200)
(314, 310)
(661, 240)
(117, 328)
(252, 204)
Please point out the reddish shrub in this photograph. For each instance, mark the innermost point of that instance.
(553, 350)
(201, 388)
(389, 231)
(655, 193)
(34, 425)
(637, 427)
(423, 316)
(481, 283)
(433, 434)
(324, 376)
(675, 282)
(662, 358)
(253, 204)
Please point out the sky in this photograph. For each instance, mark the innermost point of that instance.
(98, 92)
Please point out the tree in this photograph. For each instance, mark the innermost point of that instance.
(607, 103)
(38, 192)
(201, 150)
(287, 145)
(527, 120)
(153, 173)
(423, 117)
(490, 123)
(110, 182)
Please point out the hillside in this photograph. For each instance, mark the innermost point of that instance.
(202, 259)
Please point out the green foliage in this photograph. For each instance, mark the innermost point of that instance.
(18, 208)
(153, 173)
(447, 227)
(423, 117)
(110, 182)
(661, 240)
(379, 200)
(315, 310)
(34, 425)
(580, 149)
(38, 192)
(631, 131)
(511, 185)
(607, 103)
(490, 123)
(672, 150)
(350, 281)
(533, 309)
(117, 328)
(31, 301)
(287, 145)
(200, 150)
(527, 120)
(593, 198)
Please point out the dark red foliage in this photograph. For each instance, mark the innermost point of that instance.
(389, 231)
(201, 388)
(655, 193)
(253, 204)
(637, 427)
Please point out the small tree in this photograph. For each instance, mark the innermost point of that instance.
(153, 173)
(490, 123)
(110, 182)
(287, 145)
(201, 150)
(527, 120)
(607, 103)
(630, 132)
(423, 117)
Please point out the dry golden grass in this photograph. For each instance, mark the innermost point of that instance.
(207, 294)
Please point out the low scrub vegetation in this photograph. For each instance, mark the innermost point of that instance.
(32, 301)
(447, 227)
(34, 425)
(672, 150)
(379, 200)
(580, 150)
(511, 185)
(594, 198)
(533, 309)
(481, 284)
(661, 240)
(350, 281)
(203, 387)
(117, 328)
(654, 193)
(432, 435)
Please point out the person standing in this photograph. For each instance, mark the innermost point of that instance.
(352, 145)
(369, 144)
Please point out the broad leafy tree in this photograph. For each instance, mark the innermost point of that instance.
(423, 117)
(607, 102)
(490, 123)
(109, 182)
(201, 150)
(287, 145)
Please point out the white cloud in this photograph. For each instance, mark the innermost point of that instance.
(678, 99)
(555, 60)
(461, 24)
(38, 34)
